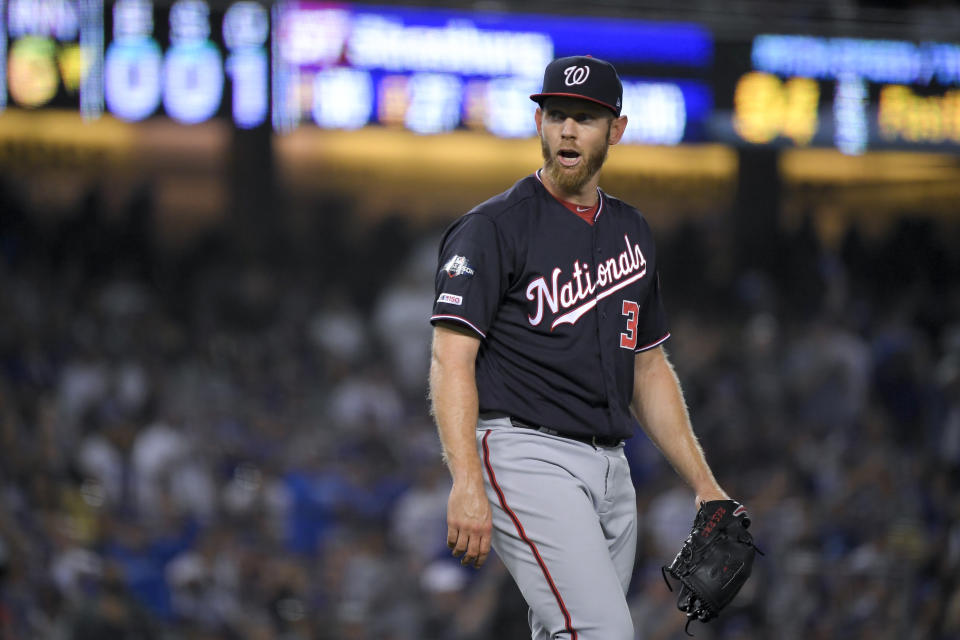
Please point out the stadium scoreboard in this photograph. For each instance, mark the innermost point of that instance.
(853, 94)
(430, 71)
(81, 54)
(338, 65)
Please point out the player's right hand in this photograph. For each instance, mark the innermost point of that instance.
(469, 523)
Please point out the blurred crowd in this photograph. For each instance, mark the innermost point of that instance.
(231, 440)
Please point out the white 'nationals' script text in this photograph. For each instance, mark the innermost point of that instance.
(584, 289)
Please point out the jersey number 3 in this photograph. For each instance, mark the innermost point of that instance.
(631, 309)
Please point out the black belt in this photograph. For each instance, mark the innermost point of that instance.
(593, 441)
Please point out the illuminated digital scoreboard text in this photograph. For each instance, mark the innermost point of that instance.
(337, 65)
(432, 70)
(429, 70)
(188, 79)
(849, 93)
(134, 60)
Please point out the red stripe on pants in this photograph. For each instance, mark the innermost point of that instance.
(523, 536)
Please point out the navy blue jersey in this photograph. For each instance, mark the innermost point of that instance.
(561, 306)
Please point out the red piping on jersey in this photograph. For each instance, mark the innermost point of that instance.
(458, 319)
(523, 536)
(652, 344)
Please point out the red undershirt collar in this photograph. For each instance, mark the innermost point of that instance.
(588, 214)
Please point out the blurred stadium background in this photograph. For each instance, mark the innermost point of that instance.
(218, 230)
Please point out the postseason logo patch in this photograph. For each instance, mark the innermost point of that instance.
(458, 266)
(449, 298)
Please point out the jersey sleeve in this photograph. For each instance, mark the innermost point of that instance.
(652, 326)
(468, 283)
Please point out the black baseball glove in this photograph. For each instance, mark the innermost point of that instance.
(715, 561)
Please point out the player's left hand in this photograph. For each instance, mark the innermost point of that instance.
(715, 561)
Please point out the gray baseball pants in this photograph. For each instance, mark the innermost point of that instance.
(565, 526)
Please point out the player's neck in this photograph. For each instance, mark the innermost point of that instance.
(587, 195)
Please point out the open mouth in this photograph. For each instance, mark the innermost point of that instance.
(568, 157)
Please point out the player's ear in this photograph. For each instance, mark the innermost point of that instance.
(538, 116)
(617, 127)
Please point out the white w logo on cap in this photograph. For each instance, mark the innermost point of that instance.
(576, 75)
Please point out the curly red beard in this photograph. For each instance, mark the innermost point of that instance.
(572, 180)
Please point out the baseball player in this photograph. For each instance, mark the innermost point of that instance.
(547, 351)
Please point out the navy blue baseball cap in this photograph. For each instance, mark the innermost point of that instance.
(582, 77)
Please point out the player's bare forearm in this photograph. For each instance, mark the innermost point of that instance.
(453, 395)
(659, 406)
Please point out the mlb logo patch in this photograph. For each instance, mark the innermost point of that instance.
(458, 266)
(449, 298)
